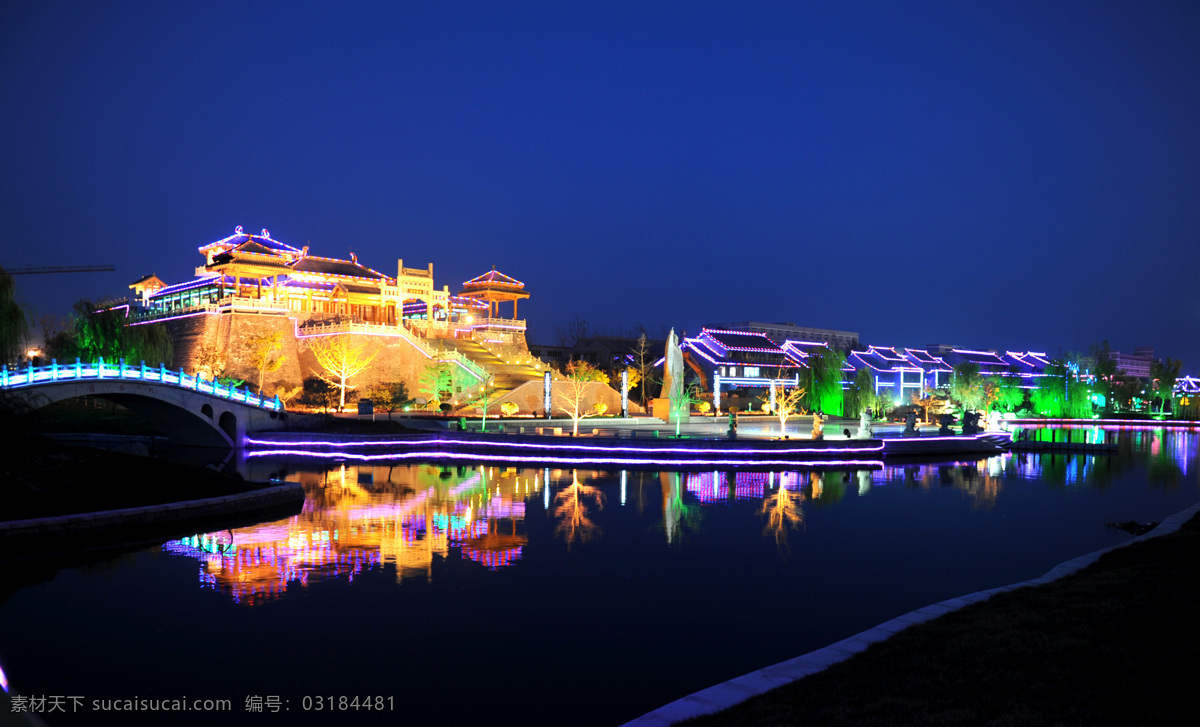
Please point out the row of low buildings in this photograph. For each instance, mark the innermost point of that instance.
(750, 354)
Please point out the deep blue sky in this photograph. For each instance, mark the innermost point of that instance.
(1012, 175)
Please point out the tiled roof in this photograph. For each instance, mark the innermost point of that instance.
(253, 247)
(493, 278)
(240, 237)
(332, 266)
(743, 340)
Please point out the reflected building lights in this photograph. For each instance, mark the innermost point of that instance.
(345, 530)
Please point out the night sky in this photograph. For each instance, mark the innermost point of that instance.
(1002, 175)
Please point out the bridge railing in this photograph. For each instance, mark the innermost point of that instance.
(107, 371)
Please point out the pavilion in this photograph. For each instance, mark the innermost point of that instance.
(494, 288)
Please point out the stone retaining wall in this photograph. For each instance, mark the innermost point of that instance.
(87, 523)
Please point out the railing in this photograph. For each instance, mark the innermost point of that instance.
(532, 361)
(101, 371)
(509, 323)
(334, 327)
(229, 304)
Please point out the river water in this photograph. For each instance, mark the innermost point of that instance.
(551, 596)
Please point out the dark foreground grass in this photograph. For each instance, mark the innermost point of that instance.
(1116, 643)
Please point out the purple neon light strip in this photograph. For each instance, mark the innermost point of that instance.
(564, 460)
(960, 438)
(559, 447)
(1133, 423)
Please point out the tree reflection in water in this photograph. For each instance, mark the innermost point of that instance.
(784, 513)
(571, 510)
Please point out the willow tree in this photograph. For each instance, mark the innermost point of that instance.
(343, 357)
(861, 394)
(14, 325)
(104, 333)
(823, 382)
(1059, 394)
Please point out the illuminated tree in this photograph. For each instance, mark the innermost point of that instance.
(823, 382)
(634, 376)
(1010, 396)
(436, 382)
(342, 357)
(690, 394)
(284, 393)
(14, 324)
(786, 403)
(262, 355)
(966, 387)
(580, 377)
(861, 394)
(643, 363)
(210, 360)
(1060, 394)
(1163, 375)
(389, 396)
(103, 334)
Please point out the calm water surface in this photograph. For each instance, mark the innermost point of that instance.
(549, 596)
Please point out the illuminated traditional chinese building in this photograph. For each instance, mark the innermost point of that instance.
(246, 272)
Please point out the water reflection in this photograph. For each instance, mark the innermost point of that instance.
(572, 509)
(783, 511)
(411, 517)
(358, 518)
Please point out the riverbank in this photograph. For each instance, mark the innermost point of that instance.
(51, 480)
(1114, 643)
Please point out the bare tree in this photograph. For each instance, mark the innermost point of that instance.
(786, 402)
(643, 362)
(580, 378)
(575, 330)
(343, 359)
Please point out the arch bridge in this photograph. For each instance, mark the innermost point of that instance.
(191, 410)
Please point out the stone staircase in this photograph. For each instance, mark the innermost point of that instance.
(505, 376)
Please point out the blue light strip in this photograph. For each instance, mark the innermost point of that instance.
(101, 371)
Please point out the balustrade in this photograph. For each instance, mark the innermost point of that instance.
(35, 375)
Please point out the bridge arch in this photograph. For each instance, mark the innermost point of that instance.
(210, 416)
(229, 424)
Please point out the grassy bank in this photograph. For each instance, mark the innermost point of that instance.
(1116, 643)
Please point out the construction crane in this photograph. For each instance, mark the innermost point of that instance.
(61, 269)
